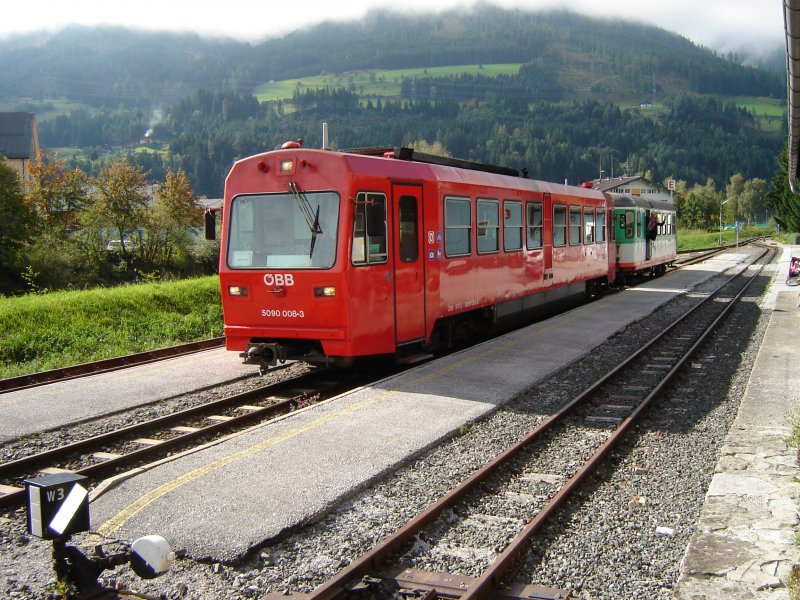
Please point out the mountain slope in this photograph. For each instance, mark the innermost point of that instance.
(567, 55)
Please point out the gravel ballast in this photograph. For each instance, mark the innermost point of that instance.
(622, 537)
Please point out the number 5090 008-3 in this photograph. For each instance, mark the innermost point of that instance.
(288, 314)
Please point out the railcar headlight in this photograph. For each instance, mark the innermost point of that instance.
(237, 290)
(327, 291)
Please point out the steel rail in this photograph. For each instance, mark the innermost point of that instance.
(494, 577)
(376, 559)
(17, 498)
(15, 467)
(107, 365)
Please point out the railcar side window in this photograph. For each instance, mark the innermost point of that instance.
(534, 226)
(283, 231)
(369, 229)
(588, 225)
(457, 227)
(488, 226)
(574, 225)
(600, 232)
(512, 226)
(629, 223)
(409, 237)
(559, 225)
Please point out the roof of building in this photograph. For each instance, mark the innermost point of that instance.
(210, 203)
(614, 182)
(17, 134)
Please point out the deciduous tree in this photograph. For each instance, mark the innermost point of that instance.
(122, 199)
(170, 219)
(16, 218)
(57, 193)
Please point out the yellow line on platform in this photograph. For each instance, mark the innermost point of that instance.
(115, 523)
(118, 521)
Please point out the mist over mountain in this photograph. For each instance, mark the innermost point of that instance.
(111, 67)
(581, 92)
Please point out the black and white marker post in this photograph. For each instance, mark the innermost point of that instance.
(58, 507)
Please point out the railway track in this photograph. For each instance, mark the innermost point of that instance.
(599, 416)
(31, 380)
(22, 382)
(125, 448)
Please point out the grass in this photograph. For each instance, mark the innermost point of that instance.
(760, 106)
(373, 83)
(46, 109)
(385, 84)
(59, 329)
(697, 239)
(769, 112)
(42, 332)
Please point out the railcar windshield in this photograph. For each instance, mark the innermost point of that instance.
(283, 231)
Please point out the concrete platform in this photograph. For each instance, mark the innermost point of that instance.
(65, 403)
(745, 543)
(222, 500)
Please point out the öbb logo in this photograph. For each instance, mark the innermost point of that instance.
(279, 279)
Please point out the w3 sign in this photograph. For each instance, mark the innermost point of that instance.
(58, 505)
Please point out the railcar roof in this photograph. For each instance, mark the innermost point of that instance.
(629, 201)
(447, 169)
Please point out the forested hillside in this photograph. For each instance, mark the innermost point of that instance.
(111, 67)
(694, 139)
(572, 107)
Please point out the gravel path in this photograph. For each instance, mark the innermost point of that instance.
(605, 544)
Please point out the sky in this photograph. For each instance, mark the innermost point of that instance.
(717, 24)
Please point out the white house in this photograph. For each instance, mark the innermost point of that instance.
(635, 186)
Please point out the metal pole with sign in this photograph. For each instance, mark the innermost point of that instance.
(58, 507)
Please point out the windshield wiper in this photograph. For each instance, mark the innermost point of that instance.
(314, 229)
(308, 213)
(305, 208)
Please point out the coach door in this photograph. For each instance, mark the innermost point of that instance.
(409, 264)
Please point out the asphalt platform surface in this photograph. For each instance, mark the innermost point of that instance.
(49, 407)
(745, 544)
(222, 500)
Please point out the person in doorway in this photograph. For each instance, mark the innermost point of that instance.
(652, 227)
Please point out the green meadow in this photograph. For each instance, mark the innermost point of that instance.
(39, 332)
(373, 83)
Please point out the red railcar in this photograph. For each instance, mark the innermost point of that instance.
(328, 255)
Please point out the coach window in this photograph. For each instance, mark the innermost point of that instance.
(457, 227)
(488, 226)
(369, 229)
(588, 225)
(574, 225)
(409, 236)
(629, 223)
(600, 231)
(559, 225)
(512, 226)
(534, 226)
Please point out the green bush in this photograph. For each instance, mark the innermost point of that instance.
(792, 238)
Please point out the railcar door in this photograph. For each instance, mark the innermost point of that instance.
(548, 236)
(409, 264)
